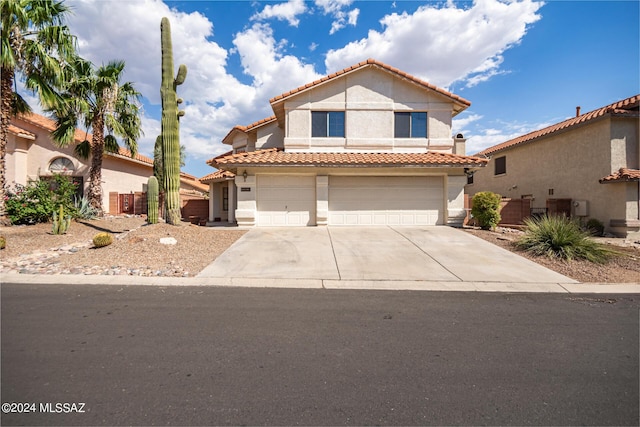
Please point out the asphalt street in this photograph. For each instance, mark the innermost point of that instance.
(146, 355)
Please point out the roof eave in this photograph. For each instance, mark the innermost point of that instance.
(229, 166)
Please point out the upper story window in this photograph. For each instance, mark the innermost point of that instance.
(500, 165)
(410, 125)
(327, 124)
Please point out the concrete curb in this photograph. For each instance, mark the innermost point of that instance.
(506, 287)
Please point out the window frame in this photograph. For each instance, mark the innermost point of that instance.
(410, 126)
(328, 125)
(225, 198)
(500, 168)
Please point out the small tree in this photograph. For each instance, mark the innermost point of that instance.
(486, 209)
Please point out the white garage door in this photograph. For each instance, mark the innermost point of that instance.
(286, 200)
(384, 200)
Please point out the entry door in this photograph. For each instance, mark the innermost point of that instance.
(286, 200)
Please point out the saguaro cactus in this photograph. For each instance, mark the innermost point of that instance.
(152, 200)
(170, 125)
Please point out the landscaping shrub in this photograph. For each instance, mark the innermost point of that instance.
(595, 227)
(486, 209)
(37, 201)
(559, 237)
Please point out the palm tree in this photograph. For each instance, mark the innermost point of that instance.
(97, 100)
(36, 45)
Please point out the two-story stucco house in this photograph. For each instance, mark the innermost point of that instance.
(367, 145)
(587, 166)
(31, 155)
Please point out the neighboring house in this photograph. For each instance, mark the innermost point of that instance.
(31, 155)
(587, 166)
(368, 145)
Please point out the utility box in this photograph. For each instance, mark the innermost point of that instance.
(580, 208)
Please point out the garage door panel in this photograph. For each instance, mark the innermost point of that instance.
(386, 200)
(285, 200)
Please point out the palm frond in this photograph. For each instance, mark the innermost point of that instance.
(64, 133)
(19, 105)
(111, 144)
(83, 150)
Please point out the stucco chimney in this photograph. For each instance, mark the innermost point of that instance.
(459, 145)
(577, 111)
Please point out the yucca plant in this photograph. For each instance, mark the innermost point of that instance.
(559, 237)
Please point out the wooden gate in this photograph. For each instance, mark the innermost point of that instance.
(126, 204)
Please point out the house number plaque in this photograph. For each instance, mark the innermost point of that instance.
(245, 188)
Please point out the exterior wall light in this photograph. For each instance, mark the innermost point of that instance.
(244, 175)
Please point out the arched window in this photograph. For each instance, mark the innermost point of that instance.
(61, 164)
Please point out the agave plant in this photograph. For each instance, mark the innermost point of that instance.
(84, 209)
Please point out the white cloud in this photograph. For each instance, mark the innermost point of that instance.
(444, 45)
(336, 8)
(262, 58)
(481, 138)
(459, 125)
(288, 11)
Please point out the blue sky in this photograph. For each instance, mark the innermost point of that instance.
(522, 64)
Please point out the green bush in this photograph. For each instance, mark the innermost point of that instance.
(37, 201)
(559, 237)
(486, 209)
(595, 227)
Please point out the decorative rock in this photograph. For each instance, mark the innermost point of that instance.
(168, 241)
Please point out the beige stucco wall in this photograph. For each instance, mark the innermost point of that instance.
(571, 163)
(269, 136)
(369, 98)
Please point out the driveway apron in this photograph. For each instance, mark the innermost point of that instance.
(437, 254)
(475, 260)
(278, 253)
(380, 253)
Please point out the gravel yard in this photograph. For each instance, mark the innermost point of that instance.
(136, 250)
(621, 269)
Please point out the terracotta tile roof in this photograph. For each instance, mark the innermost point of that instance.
(217, 176)
(375, 63)
(622, 175)
(210, 161)
(80, 135)
(627, 106)
(274, 157)
(50, 125)
(126, 153)
(21, 132)
(247, 128)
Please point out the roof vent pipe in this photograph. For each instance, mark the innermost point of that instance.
(577, 111)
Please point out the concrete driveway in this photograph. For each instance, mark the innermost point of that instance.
(392, 254)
